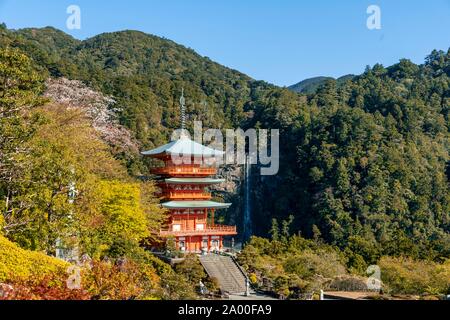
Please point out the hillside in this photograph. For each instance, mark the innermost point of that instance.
(363, 162)
(311, 85)
(145, 75)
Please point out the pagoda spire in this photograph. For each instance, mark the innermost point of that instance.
(183, 110)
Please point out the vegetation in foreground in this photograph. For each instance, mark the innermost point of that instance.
(296, 268)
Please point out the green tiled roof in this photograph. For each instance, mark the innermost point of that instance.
(194, 204)
(193, 180)
(182, 147)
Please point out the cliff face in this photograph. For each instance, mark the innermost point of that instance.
(230, 191)
(261, 189)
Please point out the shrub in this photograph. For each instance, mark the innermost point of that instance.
(175, 286)
(348, 283)
(253, 278)
(191, 268)
(18, 264)
(408, 276)
(48, 288)
(308, 264)
(124, 280)
(213, 285)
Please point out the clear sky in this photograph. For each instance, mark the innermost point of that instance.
(282, 41)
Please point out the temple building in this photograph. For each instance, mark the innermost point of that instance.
(184, 192)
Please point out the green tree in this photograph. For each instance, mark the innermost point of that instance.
(20, 86)
(274, 230)
(191, 268)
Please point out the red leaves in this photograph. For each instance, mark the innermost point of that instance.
(46, 289)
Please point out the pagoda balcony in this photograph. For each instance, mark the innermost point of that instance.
(210, 230)
(188, 195)
(184, 171)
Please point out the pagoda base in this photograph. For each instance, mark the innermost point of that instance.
(198, 244)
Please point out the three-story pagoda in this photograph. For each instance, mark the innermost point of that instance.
(185, 194)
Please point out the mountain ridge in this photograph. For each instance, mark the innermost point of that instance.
(310, 85)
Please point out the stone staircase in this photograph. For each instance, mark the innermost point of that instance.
(231, 279)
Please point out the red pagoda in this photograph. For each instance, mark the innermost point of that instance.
(184, 192)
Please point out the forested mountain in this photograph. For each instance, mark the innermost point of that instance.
(145, 75)
(364, 163)
(372, 160)
(311, 85)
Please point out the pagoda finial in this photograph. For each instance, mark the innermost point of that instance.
(183, 110)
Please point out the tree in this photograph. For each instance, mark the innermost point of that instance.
(191, 268)
(175, 286)
(285, 226)
(20, 86)
(114, 219)
(275, 230)
(123, 280)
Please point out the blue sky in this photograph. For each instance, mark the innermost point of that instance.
(282, 41)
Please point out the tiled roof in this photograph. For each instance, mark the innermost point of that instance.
(184, 146)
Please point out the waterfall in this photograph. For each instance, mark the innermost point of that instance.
(247, 201)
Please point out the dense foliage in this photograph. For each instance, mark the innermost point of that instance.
(145, 75)
(61, 189)
(364, 163)
(366, 158)
(294, 267)
(370, 160)
(21, 264)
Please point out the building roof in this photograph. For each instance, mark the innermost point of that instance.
(349, 295)
(194, 204)
(193, 180)
(183, 147)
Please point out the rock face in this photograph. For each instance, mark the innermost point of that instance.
(233, 179)
(231, 191)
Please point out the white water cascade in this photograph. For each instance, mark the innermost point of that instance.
(247, 200)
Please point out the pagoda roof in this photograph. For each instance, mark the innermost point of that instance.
(183, 147)
(194, 204)
(193, 180)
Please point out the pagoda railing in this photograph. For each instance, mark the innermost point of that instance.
(189, 195)
(184, 170)
(219, 229)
